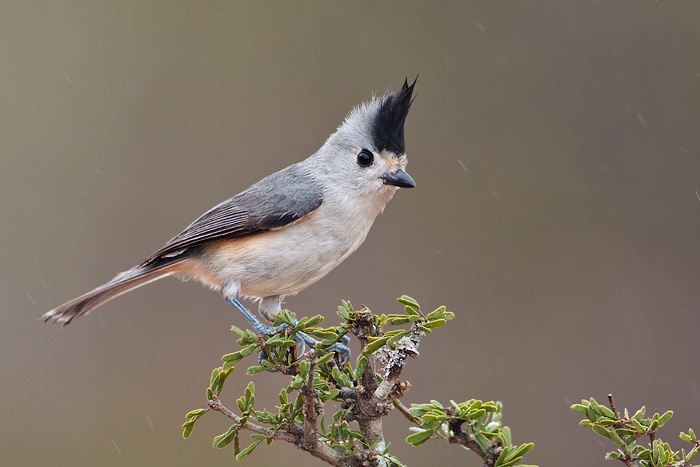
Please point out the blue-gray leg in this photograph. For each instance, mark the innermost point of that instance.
(259, 327)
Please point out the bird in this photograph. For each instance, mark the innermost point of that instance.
(288, 230)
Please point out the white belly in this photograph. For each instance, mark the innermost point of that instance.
(284, 261)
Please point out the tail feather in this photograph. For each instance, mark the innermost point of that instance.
(124, 282)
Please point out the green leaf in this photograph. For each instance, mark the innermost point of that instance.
(223, 440)
(188, 426)
(595, 406)
(314, 321)
(640, 413)
(419, 437)
(325, 358)
(326, 343)
(301, 324)
(250, 390)
(220, 380)
(374, 346)
(436, 323)
(255, 369)
(505, 433)
(214, 374)
(638, 426)
(196, 413)
(304, 367)
(406, 300)
(233, 358)
(343, 313)
(607, 412)
(395, 338)
(249, 350)
(436, 314)
(329, 333)
(602, 431)
(605, 421)
(247, 450)
(522, 450)
(509, 462)
(436, 403)
(360, 367)
(483, 442)
(397, 321)
(616, 438)
(665, 417)
(337, 376)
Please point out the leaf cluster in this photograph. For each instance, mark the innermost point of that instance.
(325, 395)
(420, 323)
(628, 434)
(474, 424)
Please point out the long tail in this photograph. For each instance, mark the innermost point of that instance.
(128, 280)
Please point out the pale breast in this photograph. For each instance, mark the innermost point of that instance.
(285, 261)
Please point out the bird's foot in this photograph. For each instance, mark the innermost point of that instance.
(340, 348)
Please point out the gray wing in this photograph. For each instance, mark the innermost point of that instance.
(273, 202)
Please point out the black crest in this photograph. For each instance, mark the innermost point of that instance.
(387, 128)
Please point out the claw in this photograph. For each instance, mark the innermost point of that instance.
(342, 350)
(301, 342)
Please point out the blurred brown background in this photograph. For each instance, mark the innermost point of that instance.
(556, 151)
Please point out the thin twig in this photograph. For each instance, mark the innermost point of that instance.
(294, 435)
(612, 405)
(308, 394)
(215, 404)
(406, 413)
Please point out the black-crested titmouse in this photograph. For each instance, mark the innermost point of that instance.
(291, 228)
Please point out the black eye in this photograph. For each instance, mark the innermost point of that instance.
(365, 158)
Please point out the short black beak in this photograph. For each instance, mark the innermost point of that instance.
(398, 178)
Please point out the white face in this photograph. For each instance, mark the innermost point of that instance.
(373, 167)
(358, 182)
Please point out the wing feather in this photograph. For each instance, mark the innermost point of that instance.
(275, 201)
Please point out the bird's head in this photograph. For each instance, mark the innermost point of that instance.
(366, 156)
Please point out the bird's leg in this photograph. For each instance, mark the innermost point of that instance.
(259, 327)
